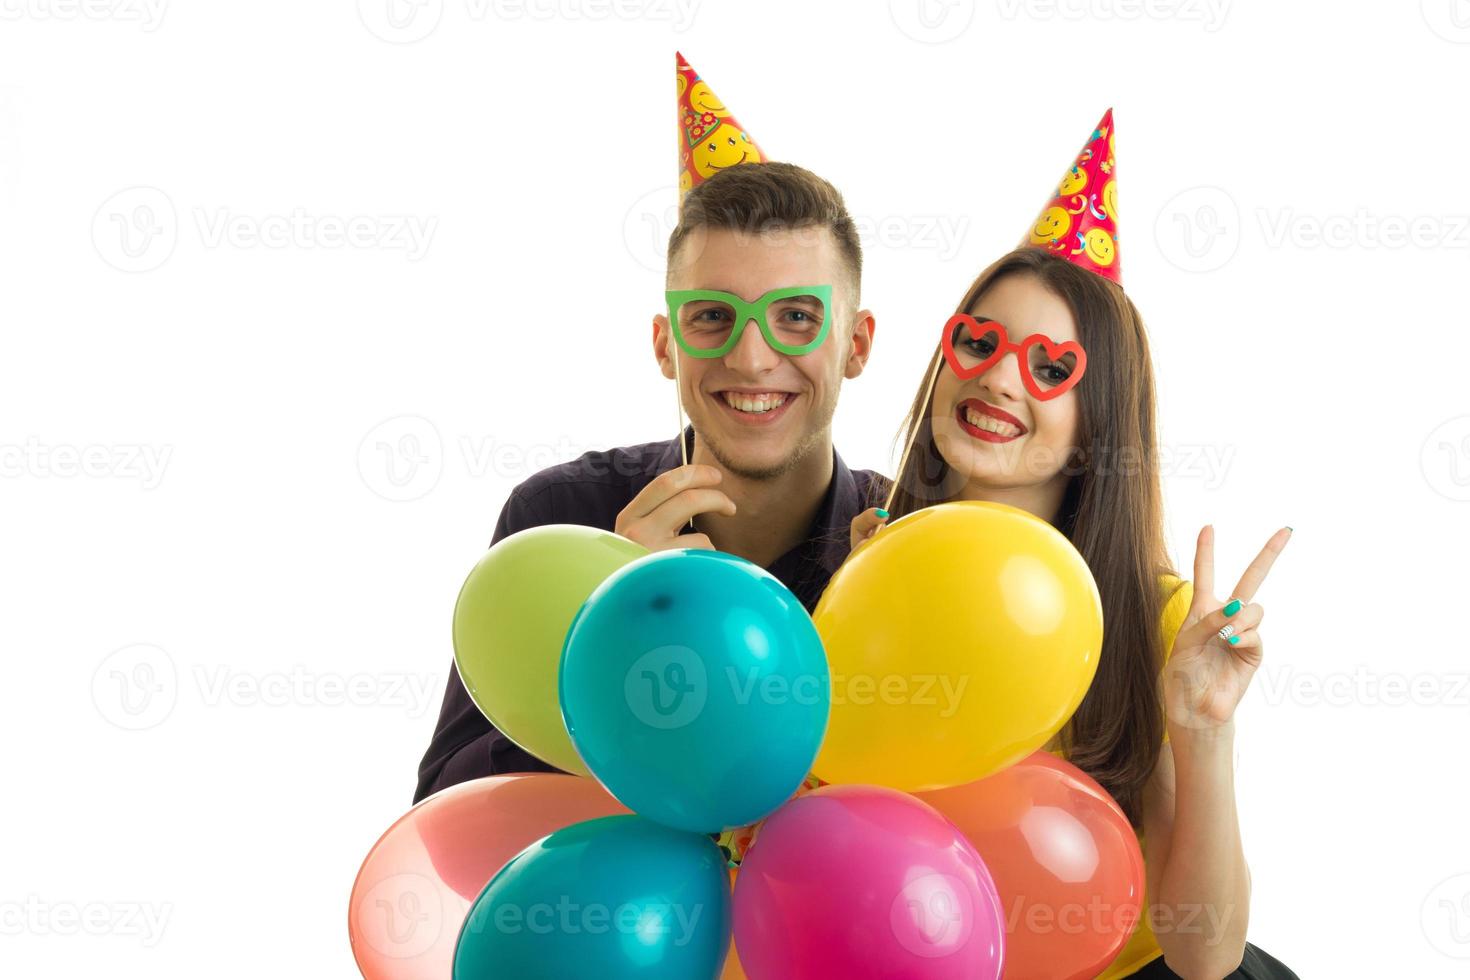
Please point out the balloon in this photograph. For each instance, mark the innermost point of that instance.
(695, 688)
(620, 897)
(853, 882)
(960, 638)
(419, 879)
(733, 969)
(1065, 860)
(511, 618)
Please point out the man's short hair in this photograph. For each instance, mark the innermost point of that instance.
(758, 197)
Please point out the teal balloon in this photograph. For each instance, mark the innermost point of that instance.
(616, 899)
(695, 688)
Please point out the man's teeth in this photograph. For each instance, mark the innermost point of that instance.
(764, 402)
(989, 424)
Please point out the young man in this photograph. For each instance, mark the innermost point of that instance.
(763, 480)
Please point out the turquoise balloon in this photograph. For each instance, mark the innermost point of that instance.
(695, 687)
(616, 899)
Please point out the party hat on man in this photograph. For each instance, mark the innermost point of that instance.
(1080, 223)
(710, 138)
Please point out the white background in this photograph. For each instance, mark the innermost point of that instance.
(246, 465)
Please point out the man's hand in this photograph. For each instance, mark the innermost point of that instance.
(662, 510)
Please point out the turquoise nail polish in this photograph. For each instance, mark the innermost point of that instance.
(1234, 640)
(1233, 608)
(882, 513)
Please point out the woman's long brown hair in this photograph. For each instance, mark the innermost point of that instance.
(1111, 512)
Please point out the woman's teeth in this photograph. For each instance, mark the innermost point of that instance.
(988, 424)
(764, 402)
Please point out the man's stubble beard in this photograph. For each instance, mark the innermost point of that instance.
(810, 443)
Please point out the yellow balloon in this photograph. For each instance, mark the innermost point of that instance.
(960, 639)
(511, 618)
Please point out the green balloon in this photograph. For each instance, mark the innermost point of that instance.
(511, 618)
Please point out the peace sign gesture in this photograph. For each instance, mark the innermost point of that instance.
(1219, 646)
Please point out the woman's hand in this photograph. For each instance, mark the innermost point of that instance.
(1207, 673)
(866, 524)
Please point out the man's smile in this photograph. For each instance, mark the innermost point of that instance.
(755, 407)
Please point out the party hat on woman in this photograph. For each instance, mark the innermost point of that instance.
(1080, 222)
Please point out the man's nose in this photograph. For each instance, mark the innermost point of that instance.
(751, 355)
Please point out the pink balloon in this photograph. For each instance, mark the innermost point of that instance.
(418, 882)
(851, 882)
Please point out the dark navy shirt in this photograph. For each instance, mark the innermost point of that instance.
(592, 490)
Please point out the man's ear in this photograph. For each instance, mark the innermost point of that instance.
(661, 338)
(863, 328)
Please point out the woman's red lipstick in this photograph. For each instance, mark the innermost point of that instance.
(1010, 426)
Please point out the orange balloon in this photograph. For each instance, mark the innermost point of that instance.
(733, 970)
(421, 877)
(1065, 860)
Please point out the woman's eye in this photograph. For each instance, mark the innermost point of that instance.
(1053, 373)
(983, 347)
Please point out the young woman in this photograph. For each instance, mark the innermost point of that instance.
(1065, 429)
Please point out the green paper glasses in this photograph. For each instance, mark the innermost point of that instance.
(708, 323)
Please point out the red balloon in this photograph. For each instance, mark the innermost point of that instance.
(1065, 861)
(418, 882)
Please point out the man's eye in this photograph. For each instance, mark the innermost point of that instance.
(710, 319)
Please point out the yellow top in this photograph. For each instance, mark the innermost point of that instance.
(1142, 947)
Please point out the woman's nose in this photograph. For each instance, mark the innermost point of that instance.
(1003, 380)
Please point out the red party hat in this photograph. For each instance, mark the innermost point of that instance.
(1080, 223)
(710, 139)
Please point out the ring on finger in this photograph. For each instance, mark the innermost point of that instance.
(1227, 631)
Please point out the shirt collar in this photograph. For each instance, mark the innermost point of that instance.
(828, 536)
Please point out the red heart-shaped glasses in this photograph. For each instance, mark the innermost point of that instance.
(985, 342)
